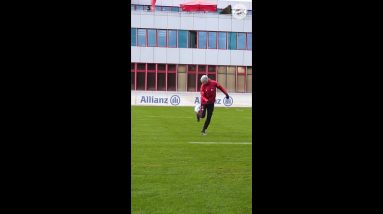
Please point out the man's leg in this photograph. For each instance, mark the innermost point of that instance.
(201, 113)
(210, 109)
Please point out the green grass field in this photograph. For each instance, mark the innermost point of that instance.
(172, 175)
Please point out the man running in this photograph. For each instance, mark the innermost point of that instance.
(208, 93)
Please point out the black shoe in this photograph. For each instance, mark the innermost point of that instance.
(197, 118)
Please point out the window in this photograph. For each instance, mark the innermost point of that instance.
(249, 79)
(151, 77)
(152, 39)
(230, 79)
(132, 76)
(249, 41)
(175, 9)
(192, 78)
(241, 79)
(171, 81)
(213, 40)
(161, 38)
(181, 76)
(202, 39)
(182, 39)
(158, 8)
(222, 40)
(133, 36)
(192, 39)
(172, 39)
(141, 40)
(140, 75)
(201, 72)
(212, 72)
(250, 12)
(166, 9)
(232, 41)
(161, 77)
(132, 7)
(222, 75)
(241, 41)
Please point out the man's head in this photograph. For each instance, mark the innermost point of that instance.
(204, 79)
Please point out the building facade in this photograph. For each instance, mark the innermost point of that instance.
(172, 49)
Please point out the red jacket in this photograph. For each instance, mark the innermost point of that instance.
(208, 91)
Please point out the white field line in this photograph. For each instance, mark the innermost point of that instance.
(220, 142)
(164, 116)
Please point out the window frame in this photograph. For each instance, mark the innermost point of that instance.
(146, 37)
(216, 40)
(226, 44)
(237, 34)
(166, 38)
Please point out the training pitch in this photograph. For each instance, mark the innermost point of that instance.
(177, 170)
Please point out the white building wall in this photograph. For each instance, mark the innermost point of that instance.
(189, 21)
(220, 3)
(190, 56)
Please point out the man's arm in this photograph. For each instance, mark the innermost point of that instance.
(220, 87)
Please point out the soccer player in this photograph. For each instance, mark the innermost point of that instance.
(208, 93)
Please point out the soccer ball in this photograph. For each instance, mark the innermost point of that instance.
(197, 108)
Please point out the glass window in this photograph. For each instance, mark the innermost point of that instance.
(152, 39)
(132, 7)
(213, 40)
(222, 40)
(181, 76)
(161, 82)
(219, 10)
(232, 41)
(222, 75)
(175, 9)
(161, 67)
(133, 36)
(172, 38)
(241, 79)
(151, 67)
(202, 69)
(141, 40)
(141, 67)
(230, 79)
(166, 9)
(182, 39)
(192, 68)
(191, 82)
(171, 81)
(241, 41)
(192, 39)
(151, 81)
(202, 39)
(161, 38)
(171, 67)
(250, 12)
(158, 8)
(249, 41)
(140, 80)
(249, 79)
(132, 79)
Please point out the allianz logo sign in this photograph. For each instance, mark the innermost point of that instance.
(174, 100)
(226, 102)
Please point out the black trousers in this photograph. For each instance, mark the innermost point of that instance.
(209, 108)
